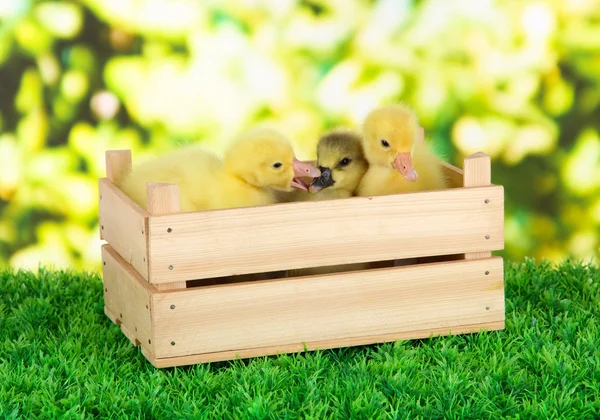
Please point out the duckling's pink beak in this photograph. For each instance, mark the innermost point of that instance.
(305, 169)
(403, 164)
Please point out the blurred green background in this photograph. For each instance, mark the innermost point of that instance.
(519, 80)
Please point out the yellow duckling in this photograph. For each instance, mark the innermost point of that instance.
(341, 160)
(259, 160)
(399, 161)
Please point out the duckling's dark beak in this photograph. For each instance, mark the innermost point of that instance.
(403, 164)
(303, 170)
(324, 181)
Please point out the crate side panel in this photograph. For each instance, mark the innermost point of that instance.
(321, 345)
(127, 298)
(199, 245)
(124, 226)
(329, 307)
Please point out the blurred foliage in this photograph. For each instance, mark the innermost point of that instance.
(519, 80)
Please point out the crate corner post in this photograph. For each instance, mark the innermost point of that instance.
(477, 173)
(118, 162)
(162, 199)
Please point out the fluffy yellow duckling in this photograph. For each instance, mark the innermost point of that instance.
(399, 161)
(259, 160)
(342, 163)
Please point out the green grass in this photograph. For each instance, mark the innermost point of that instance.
(60, 357)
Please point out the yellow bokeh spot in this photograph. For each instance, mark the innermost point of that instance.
(581, 171)
(61, 19)
(32, 131)
(583, 244)
(530, 139)
(48, 256)
(468, 135)
(333, 93)
(10, 164)
(74, 85)
(32, 37)
(538, 21)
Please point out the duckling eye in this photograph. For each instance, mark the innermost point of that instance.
(384, 143)
(344, 162)
(277, 165)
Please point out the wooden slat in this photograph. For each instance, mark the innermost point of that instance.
(478, 173)
(319, 345)
(321, 233)
(124, 225)
(118, 163)
(453, 174)
(164, 199)
(287, 312)
(127, 299)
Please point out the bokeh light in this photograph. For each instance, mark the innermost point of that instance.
(519, 80)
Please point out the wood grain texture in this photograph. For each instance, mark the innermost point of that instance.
(163, 199)
(124, 225)
(127, 299)
(354, 230)
(118, 162)
(477, 170)
(319, 345)
(477, 173)
(330, 307)
(453, 174)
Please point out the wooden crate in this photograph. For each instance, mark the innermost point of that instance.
(183, 286)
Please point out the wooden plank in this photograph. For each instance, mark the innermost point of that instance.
(330, 307)
(220, 243)
(453, 174)
(163, 199)
(478, 173)
(127, 299)
(319, 345)
(118, 163)
(124, 225)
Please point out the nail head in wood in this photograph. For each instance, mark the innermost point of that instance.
(172, 306)
(171, 267)
(487, 201)
(487, 273)
(172, 343)
(120, 315)
(104, 262)
(105, 289)
(487, 308)
(487, 236)
(169, 230)
(149, 341)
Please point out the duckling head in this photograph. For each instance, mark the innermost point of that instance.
(264, 158)
(341, 160)
(390, 133)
